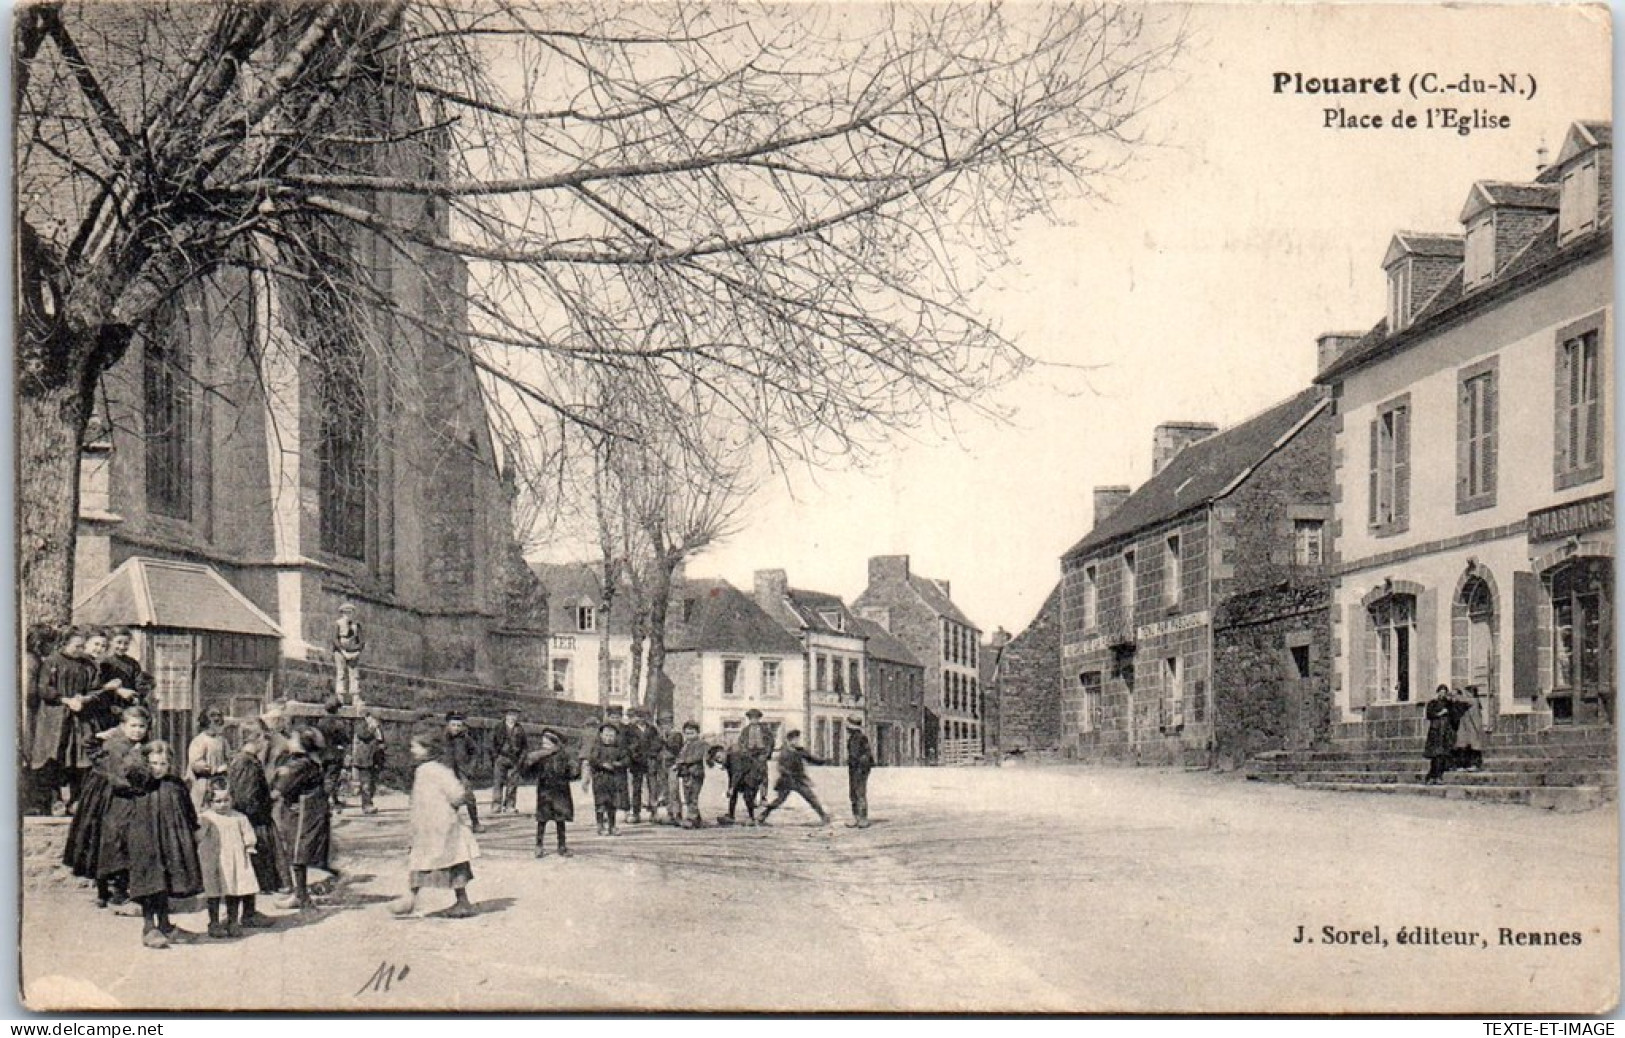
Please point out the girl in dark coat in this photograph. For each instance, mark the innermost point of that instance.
(555, 767)
(251, 794)
(1441, 741)
(120, 752)
(608, 763)
(303, 824)
(62, 689)
(135, 685)
(163, 847)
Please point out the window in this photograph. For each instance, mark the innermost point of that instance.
(839, 667)
(1128, 588)
(1476, 422)
(823, 673)
(342, 453)
(730, 678)
(973, 697)
(1390, 477)
(771, 689)
(1091, 600)
(730, 731)
(1174, 693)
(1399, 296)
(832, 618)
(1300, 663)
(1089, 709)
(1479, 262)
(853, 685)
(1308, 542)
(1577, 208)
(1393, 630)
(1582, 643)
(1171, 572)
(586, 618)
(617, 679)
(562, 677)
(1579, 404)
(167, 394)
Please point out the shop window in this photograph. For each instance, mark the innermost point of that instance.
(1582, 642)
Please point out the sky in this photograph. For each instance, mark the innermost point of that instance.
(1195, 293)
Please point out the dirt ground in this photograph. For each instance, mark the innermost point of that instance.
(1013, 889)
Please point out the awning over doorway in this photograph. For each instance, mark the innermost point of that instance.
(145, 592)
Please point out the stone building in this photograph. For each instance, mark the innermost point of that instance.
(725, 655)
(1475, 530)
(1026, 683)
(833, 657)
(895, 683)
(310, 448)
(1223, 513)
(579, 630)
(919, 612)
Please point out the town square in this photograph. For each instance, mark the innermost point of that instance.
(901, 507)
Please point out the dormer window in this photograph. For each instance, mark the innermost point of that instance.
(1578, 212)
(586, 618)
(1479, 264)
(833, 619)
(1399, 296)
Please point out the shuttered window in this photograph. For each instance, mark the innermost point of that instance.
(1390, 476)
(1579, 404)
(1477, 422)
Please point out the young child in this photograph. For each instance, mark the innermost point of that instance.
(442, 849)
(793, 760)
(163, 848)
(555, 767)
(226, 847)
(607, 764)
(691, 763)
(100, 847)
(304, 828)
(251, 794)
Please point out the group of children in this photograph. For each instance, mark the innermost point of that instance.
(147, 838)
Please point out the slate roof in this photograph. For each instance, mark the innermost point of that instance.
(145, 592)
(1203, 471)
(809, 608)
(725, 619)
(1424, 243)
(1540, 260)
(934, 597)
(882, 645)
(569, 584)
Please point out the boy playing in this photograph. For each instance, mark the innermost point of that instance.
(793, 760)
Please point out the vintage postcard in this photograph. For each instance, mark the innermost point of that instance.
(881, 507)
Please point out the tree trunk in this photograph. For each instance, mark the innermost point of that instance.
(606, 602)
(640, 629)
(659, 599)
(50, 423)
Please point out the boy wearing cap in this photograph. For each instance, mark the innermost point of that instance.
(860, 760)
(556, 767)
(367, 757)
(509, 744)
(691, 773)
(639, 737)
(347, 645)
(673, 749)
(793, 760)
(463, 756)
(607, 763)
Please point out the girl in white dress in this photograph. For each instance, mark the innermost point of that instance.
(226, 846)
(442, 847)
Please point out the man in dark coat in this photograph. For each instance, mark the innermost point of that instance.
(1441, 741)
(671, 749)
(793, 761)
(754, 747)
(860, 760)
(463, 756)
(509, 744)
(643, 745)
(335, 751)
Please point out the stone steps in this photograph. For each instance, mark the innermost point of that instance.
(1553, 798)
(1409, 775)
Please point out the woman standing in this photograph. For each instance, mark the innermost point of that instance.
(1441, 742)
(1469, 728)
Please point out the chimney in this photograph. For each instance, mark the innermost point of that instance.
(999, 639)
(888, 569)
(771, 586)
(1333, 345)
(1108, 500)
(1172, 437)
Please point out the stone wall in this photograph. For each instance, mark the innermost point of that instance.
(1261, 700)
(1029, 687)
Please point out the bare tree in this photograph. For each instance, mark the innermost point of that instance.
(783, 205)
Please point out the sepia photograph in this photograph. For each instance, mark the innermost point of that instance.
(874, 507)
